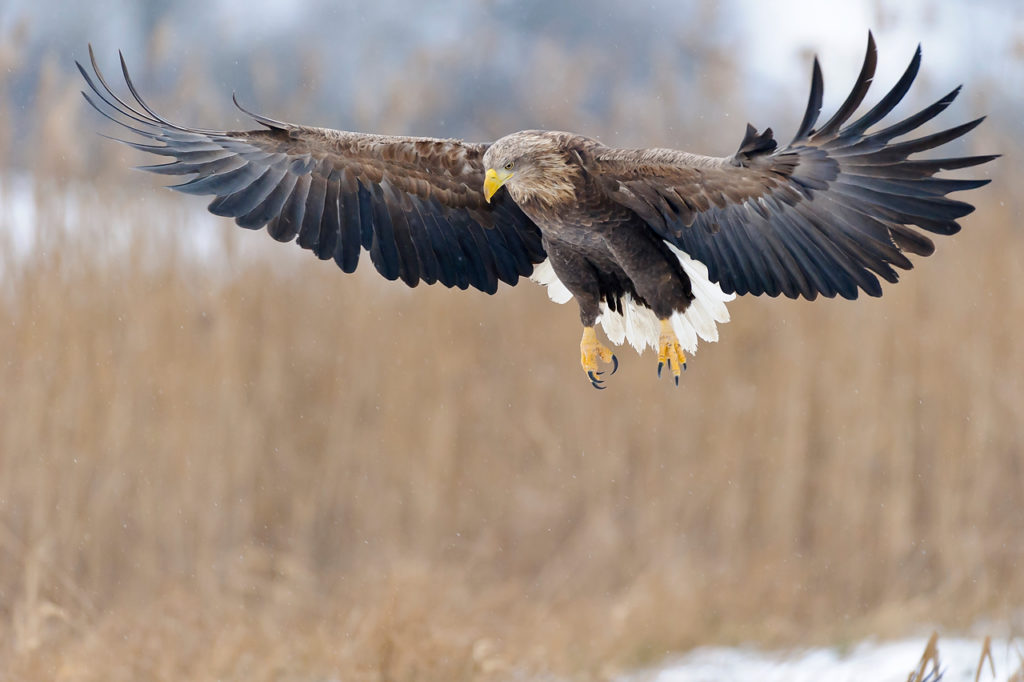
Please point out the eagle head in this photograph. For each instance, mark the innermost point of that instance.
(533, 165)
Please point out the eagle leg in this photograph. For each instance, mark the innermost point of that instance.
(670, 352)
(592, 350)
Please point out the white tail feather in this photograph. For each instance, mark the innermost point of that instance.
(638, 324)
(545, 275)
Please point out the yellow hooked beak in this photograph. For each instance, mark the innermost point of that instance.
(493, 181)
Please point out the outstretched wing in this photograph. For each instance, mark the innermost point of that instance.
(828, 213)
(416, 204)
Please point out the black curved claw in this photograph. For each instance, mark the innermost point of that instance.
(595, 382)
(677, 380)
(660, 365)
(615, 364)
(684, 366)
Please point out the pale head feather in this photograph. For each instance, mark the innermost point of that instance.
(543, 167)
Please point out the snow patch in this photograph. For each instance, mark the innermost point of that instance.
(874, 661)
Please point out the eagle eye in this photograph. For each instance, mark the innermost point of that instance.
(510, 165)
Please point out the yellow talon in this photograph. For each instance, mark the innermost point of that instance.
(592, 350)
(670, 352)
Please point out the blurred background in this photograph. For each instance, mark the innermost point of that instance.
(223, 459)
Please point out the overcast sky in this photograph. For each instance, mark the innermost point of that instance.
(980, 43)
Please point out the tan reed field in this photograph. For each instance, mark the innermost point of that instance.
(244, 465)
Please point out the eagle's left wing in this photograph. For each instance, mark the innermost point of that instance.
(838, 206)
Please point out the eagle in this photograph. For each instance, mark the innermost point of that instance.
(651, 243)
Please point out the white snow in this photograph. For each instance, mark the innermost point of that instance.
(866, 662)
(30, 222)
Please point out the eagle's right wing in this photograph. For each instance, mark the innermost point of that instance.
(416, 204)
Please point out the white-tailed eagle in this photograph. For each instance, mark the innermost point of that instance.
(652, 243)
